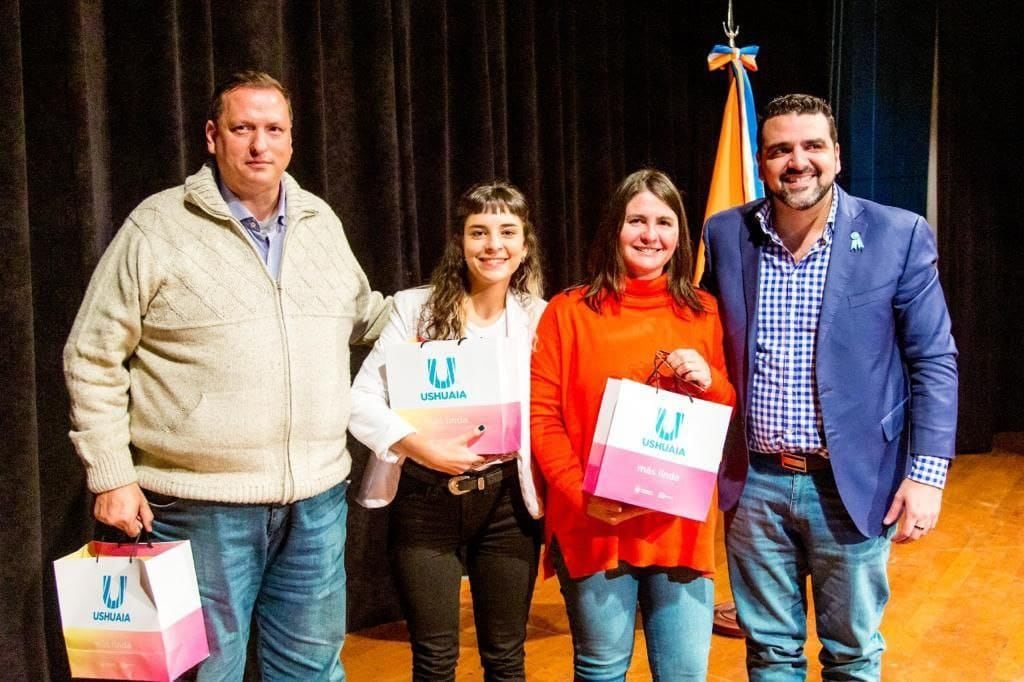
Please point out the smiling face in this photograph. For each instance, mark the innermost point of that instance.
(798, 160)
(649, 236)
(251, 141)
(493, 245)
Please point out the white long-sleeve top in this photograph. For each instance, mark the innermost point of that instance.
(377, 427)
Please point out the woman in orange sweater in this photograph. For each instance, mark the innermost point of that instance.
(611, 556)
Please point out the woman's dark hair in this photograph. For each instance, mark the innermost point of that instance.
(606, 263)
(444, 315)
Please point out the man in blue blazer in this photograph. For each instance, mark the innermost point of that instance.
(838, 341)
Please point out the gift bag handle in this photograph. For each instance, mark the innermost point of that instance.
(134, 543)
(424, 342)
(660, 359)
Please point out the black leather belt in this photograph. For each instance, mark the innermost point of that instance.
(463, 483)
(795, 461)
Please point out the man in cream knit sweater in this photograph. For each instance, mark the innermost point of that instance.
(208, 370)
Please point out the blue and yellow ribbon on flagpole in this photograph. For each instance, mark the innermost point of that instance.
(734, 180)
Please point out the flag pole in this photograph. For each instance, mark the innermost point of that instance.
(731, 30)
(734, 182)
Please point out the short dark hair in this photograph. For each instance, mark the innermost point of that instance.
(245, 79)
(797, 103)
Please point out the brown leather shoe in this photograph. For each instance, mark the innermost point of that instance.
(724, 623)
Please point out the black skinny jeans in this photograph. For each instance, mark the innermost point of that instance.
(433, 534)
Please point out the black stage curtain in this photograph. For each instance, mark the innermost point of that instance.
(399, 105)
(981, 204)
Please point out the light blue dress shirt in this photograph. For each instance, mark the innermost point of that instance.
(268, 237)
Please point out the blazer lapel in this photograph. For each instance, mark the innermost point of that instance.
(751, 239)
(841, 264)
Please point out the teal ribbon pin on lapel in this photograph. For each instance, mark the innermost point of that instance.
(856, 243)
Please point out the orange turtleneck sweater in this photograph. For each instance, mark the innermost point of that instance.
(577, 351)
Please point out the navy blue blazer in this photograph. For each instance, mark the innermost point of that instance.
(886, 362)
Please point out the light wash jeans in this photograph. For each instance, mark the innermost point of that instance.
(789, 526)
(676, 608)
(286, 562)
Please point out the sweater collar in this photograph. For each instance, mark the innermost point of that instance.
(203, 190)
(647, 287)
(645, 293)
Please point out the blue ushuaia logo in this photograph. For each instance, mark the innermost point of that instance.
(444, 385)
(113, 602)
(667, 430)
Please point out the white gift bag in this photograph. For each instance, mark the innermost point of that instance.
(656, 449)
(131, 612)
(446, 388)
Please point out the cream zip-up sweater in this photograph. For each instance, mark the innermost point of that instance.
(193, 372)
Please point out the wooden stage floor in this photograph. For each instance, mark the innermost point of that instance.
(957, 608)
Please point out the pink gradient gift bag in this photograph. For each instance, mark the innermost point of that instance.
(656, 449)
(446, 388)
(131, 611)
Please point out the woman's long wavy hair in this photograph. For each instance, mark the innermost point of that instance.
(444, 315)
(606, 263)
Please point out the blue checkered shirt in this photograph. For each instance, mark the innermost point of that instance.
(785, 413)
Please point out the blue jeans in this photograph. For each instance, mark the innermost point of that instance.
(676, 608)
(787, 527)
(286, 563)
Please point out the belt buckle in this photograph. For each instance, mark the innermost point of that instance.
(793, 462)
(454, 481)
